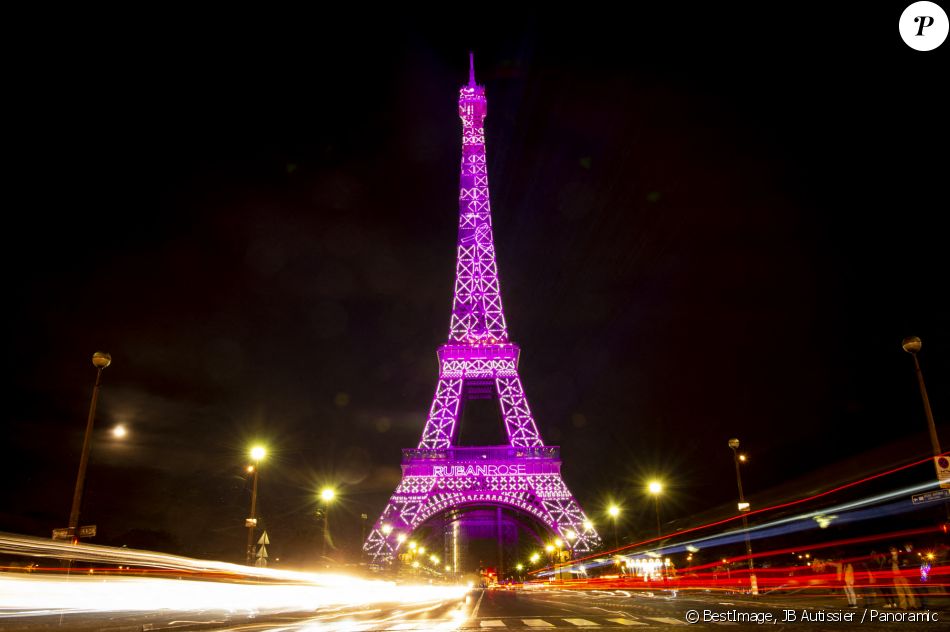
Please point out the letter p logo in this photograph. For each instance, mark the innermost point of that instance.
(923, 26)
(925, 21)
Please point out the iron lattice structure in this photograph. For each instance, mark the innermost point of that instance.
(478, 362)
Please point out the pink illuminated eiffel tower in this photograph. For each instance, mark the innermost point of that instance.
(478, 362)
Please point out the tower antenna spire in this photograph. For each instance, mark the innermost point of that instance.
(471, 69)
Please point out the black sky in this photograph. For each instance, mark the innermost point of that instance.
(709, 224)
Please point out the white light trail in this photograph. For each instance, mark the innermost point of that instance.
(274, 590)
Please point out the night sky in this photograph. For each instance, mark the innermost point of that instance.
(709, 224)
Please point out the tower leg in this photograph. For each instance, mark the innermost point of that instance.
(440, 426)
(499, 526)
(519, 423)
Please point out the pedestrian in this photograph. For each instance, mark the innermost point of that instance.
(868, 581)
(884, 581)
(849, 584)
(905, 595)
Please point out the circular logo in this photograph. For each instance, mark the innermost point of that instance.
(923, 26)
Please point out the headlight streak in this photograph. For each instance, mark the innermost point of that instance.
(805, 520)
(23, 595)
(270, 591)
(845, 512)
(791, 503)
(455, 619)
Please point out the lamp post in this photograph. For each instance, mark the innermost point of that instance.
(558, 559)
(326, 495)
(257, 454)
(363, 518)
(100, 360)
(655, 487)
(614, 511)
(912, 346)
(743, 507)
(570, 536)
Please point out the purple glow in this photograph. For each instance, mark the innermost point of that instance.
(478, 361)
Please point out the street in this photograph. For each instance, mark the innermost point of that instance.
(499, 609)
(563, 609)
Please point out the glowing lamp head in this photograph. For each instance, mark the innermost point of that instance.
(387, 529)
(549, 548)
(588, 525)
(655, 487)
(401, 538)
(327, 494)
(534, 557)
(911, 344)
(101, 360)
(258, 453)
(519, 567)
(613, 510)
(119, 432)
(570, 535)
(558, 542)
(413, 546)
(422, 550)
(743, 458)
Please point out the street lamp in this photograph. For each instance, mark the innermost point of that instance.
(613, 511)
(100, 360)
(570, 536)
(655, 487)
(912, 346)
(327, 495)
(743, 507)
(257, 454)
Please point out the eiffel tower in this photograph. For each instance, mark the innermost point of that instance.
(478, 362)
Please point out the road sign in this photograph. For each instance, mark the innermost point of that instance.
(63, 534)
(89, 531)
(926, 497)
(942, 464)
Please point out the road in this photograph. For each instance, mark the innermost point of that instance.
(572, 610)
(539, 609)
